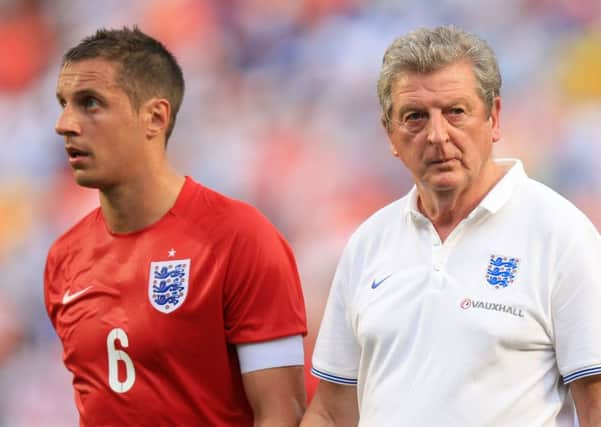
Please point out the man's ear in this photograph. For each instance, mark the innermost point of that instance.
(384, 123)
(393, 149)
(158, 115)
(495, 114)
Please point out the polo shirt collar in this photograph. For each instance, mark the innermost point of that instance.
(492, 202)
(500, 194)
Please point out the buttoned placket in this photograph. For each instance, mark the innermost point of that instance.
(439, 256)
(441, 250)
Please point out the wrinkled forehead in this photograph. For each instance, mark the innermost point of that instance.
(456, 78)
(96, 74)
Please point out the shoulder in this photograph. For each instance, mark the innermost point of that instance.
(550, 210)
(380, 224)
(203, 207)
(376, 235)
(61, 256)
(75, 235)
(547, 222)
(240, 217)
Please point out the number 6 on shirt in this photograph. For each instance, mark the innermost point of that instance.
(118, 334)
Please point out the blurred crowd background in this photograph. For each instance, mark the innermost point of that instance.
(280, 111)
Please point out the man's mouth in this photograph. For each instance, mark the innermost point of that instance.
(75, 153)
(441, 161)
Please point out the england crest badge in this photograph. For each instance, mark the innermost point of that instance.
(501, 270)
(168, 284)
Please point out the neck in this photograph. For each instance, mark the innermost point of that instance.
(446, 209)
(140, 202)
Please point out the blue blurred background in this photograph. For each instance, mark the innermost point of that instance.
(280, 111)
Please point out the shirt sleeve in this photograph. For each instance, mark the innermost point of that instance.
(262, 292)
(336, 354)
(576, 304)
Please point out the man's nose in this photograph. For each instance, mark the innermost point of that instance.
(437, 129)
(66, 124)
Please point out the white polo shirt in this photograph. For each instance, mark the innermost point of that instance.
(485, 329)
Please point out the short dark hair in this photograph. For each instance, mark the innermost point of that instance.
(146, 68)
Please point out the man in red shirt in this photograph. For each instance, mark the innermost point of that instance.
(175, 305)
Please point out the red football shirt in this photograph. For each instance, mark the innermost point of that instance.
(149, 320)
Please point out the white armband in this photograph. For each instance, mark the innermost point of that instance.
(287, 351)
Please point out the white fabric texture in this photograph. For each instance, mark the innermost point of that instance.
(476, 331)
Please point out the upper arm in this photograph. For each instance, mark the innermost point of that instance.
(333, 405)
(263, 305)
(262, 294)
(576, 292)
(587, 397)
(276, 395)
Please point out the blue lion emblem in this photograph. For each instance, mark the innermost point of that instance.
(501, 270)
(168, 284)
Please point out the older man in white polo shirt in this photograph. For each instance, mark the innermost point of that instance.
(475, 300)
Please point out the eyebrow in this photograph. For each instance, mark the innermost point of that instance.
(458, 100)
(420, 107)
(80, 93)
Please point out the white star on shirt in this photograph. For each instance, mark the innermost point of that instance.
(171, 252)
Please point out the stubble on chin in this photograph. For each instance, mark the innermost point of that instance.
(87, 180)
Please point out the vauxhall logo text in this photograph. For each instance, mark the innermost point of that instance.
(484, 305)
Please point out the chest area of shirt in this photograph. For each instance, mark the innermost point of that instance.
(161, 295)
(497, 294)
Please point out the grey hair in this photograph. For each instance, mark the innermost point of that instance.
(425, 50)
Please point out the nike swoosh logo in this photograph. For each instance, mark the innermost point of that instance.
(375, 284)
(68, 297)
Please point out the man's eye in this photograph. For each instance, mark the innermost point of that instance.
(456, 111)
(90, 102)
(411, 117)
